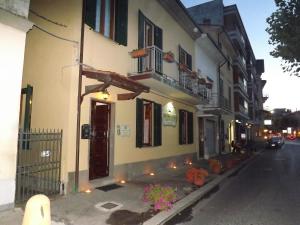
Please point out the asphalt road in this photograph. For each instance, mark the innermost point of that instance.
(265, 192)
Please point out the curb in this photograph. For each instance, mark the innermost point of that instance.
(193, 197)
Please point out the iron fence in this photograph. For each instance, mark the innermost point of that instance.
(38, 163)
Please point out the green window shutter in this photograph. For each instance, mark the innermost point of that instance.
(139, 122)
(90, 13)
(141, 35)
(121, 24)
(158, 37)
(181, 125)
(189, 61)
(28, 103)
(157, 124)
(190, 128)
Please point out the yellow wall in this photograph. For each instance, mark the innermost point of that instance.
(49, 68)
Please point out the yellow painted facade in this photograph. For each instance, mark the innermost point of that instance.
(51, 67)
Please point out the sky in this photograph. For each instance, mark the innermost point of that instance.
(281, 88)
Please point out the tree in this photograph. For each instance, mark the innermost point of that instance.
(284, 30)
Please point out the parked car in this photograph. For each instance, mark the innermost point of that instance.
(275, 142)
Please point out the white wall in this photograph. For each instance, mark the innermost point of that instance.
(12, 46)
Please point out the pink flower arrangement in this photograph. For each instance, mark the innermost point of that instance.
(162, 197)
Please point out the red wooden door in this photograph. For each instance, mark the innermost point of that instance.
(99, 144)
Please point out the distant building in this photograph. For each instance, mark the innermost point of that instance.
(247, 70)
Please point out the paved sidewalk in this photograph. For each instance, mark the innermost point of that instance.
(79, 208)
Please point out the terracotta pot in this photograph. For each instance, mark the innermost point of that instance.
(208, 85)
(194, 74)
(202, 81)
(199, 180)
(190, 174)
(216, 169)
(203, 172)
(168, 57)
(139, 53)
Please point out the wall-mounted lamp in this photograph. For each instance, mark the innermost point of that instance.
(103, 95)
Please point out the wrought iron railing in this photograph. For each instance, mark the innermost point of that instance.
(153, 63)
(38, 163)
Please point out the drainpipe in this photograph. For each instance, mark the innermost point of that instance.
(219, 104)
(79, 100)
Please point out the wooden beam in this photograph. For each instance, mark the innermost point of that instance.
(94, 88)
(128, 96)
(116, 80)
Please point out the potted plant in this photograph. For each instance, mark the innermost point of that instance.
(208, 85)
(194, 74)
(169, 57)
(184, 68)
(162, 197)
(138, 53)
(215, 166)
(202, 81)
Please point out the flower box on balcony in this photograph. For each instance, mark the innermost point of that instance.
(169, 57)
(208, 85)
(138, 53)
(194, 74)
(184, 68)
(202, 81)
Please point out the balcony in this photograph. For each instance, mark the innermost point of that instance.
(238, 39)
(240, 62)
(217, 105)
(243, 111)
(178, 83)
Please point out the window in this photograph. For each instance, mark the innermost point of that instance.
(185, 58)
(148, 123)
(149, 33)
(108, 17)
(151, 36)
(186, 134)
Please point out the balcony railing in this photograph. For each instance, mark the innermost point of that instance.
(153, 63)
(225, 103)
(243, 110)
(237, 34)
(242, 85)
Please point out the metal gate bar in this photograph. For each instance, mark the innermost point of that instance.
(38, 163)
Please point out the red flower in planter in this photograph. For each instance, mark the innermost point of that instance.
(199, 179)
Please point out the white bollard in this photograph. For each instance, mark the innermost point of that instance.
(37, 211)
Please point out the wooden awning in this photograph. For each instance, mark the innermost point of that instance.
(111, 78)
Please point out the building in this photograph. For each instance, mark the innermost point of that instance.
(13, 27)
(247, 70)
(110, 90)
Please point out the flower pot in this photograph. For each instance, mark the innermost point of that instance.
(139, 53)
(168, 57)
(199, 180)
(190, 174)
(216, 168)
(194, 74)
(184, 68)
(208, 85)
(202, 81)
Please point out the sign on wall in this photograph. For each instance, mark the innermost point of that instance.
(169, 117)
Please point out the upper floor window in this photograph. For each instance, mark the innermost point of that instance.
(108, 17)
(185, 58)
